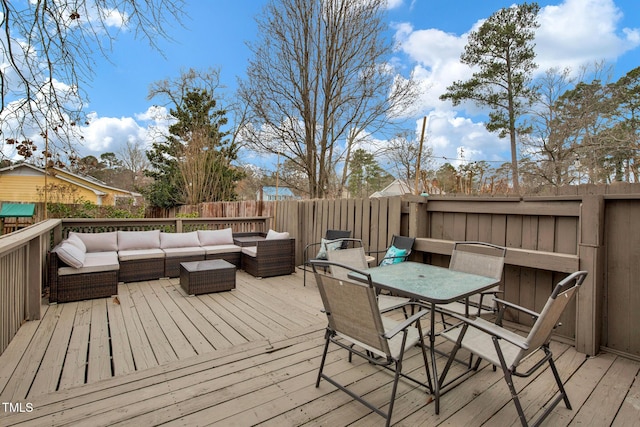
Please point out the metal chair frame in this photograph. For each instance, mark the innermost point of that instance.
(485, 259)
(330, 236)
(499, 346)
(355, 321)
(400, 242)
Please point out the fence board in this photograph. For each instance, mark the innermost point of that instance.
(622, 272)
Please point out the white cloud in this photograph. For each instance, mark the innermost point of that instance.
(110, 134)
(115, 18)
(448, 133)
(392, 4)
(579, 32)
(571, 34)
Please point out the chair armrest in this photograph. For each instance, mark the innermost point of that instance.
(517, 307)
(377, 252)
(492, 329)
(306, 249)
(404, 257)
(405, 324)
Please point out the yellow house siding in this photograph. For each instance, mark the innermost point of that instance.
(21, 188)
(25, 183)
(112, 193)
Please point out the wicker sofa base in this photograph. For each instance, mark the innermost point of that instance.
(172, 264)
(73, 287)
(274, 258)
(141, 269)
(232, 257)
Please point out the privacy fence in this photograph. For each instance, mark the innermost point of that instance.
(590, 228)
(594, 228)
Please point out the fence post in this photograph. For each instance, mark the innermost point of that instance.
(591, 253)
(418, 217)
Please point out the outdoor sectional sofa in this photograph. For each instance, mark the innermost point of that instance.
(90, 265)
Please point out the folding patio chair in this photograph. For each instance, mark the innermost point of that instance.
(484, 259)
(398, 251)
(354, 321)
(355, 258)
(333, 239)
(504, 348)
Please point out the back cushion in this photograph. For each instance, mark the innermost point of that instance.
(128, 240)
(98, 242)
(215, 237)
(70, 254)
(274, 235)
(179, 240)
(77, 242)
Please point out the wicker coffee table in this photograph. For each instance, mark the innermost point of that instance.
(201, 277)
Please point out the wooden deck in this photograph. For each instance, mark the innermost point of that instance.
(155, 355)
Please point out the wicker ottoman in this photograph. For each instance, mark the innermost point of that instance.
(201, 277)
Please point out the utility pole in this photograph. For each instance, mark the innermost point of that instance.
(417, 180)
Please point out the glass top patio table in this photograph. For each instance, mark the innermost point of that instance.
(427, 282)
(435, 285)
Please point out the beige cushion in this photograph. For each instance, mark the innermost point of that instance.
(215, 237)
(70, 254)
(176, 252)
(128, 240)
(98, 242)
(179, 240)
(77, 242)
(250, 250)
(221, 249)
(274, 235)
(135, 254)
(94, 263)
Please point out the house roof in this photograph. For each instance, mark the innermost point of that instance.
(282, 191)
(397, 187)
(89, 183)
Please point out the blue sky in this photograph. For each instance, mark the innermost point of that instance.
(431, 35)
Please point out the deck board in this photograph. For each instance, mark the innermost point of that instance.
(123, 362)
(99, 363)
(251, 358)
(48, 375)
(75, 364)
(18, 385)
(139, 345)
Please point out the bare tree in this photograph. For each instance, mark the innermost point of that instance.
(403, 155)
(320, 76)
(549, 154)
(134, 158)
(47, 50)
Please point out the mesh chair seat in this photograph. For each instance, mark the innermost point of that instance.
(501, 347)
(355, 322)
(310, 251)
(356, 258)
(483, 259)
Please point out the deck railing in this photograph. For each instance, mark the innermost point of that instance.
(22, 276)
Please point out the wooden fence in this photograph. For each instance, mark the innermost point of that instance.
(546, 237)
(590, 228)
(594, 228)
